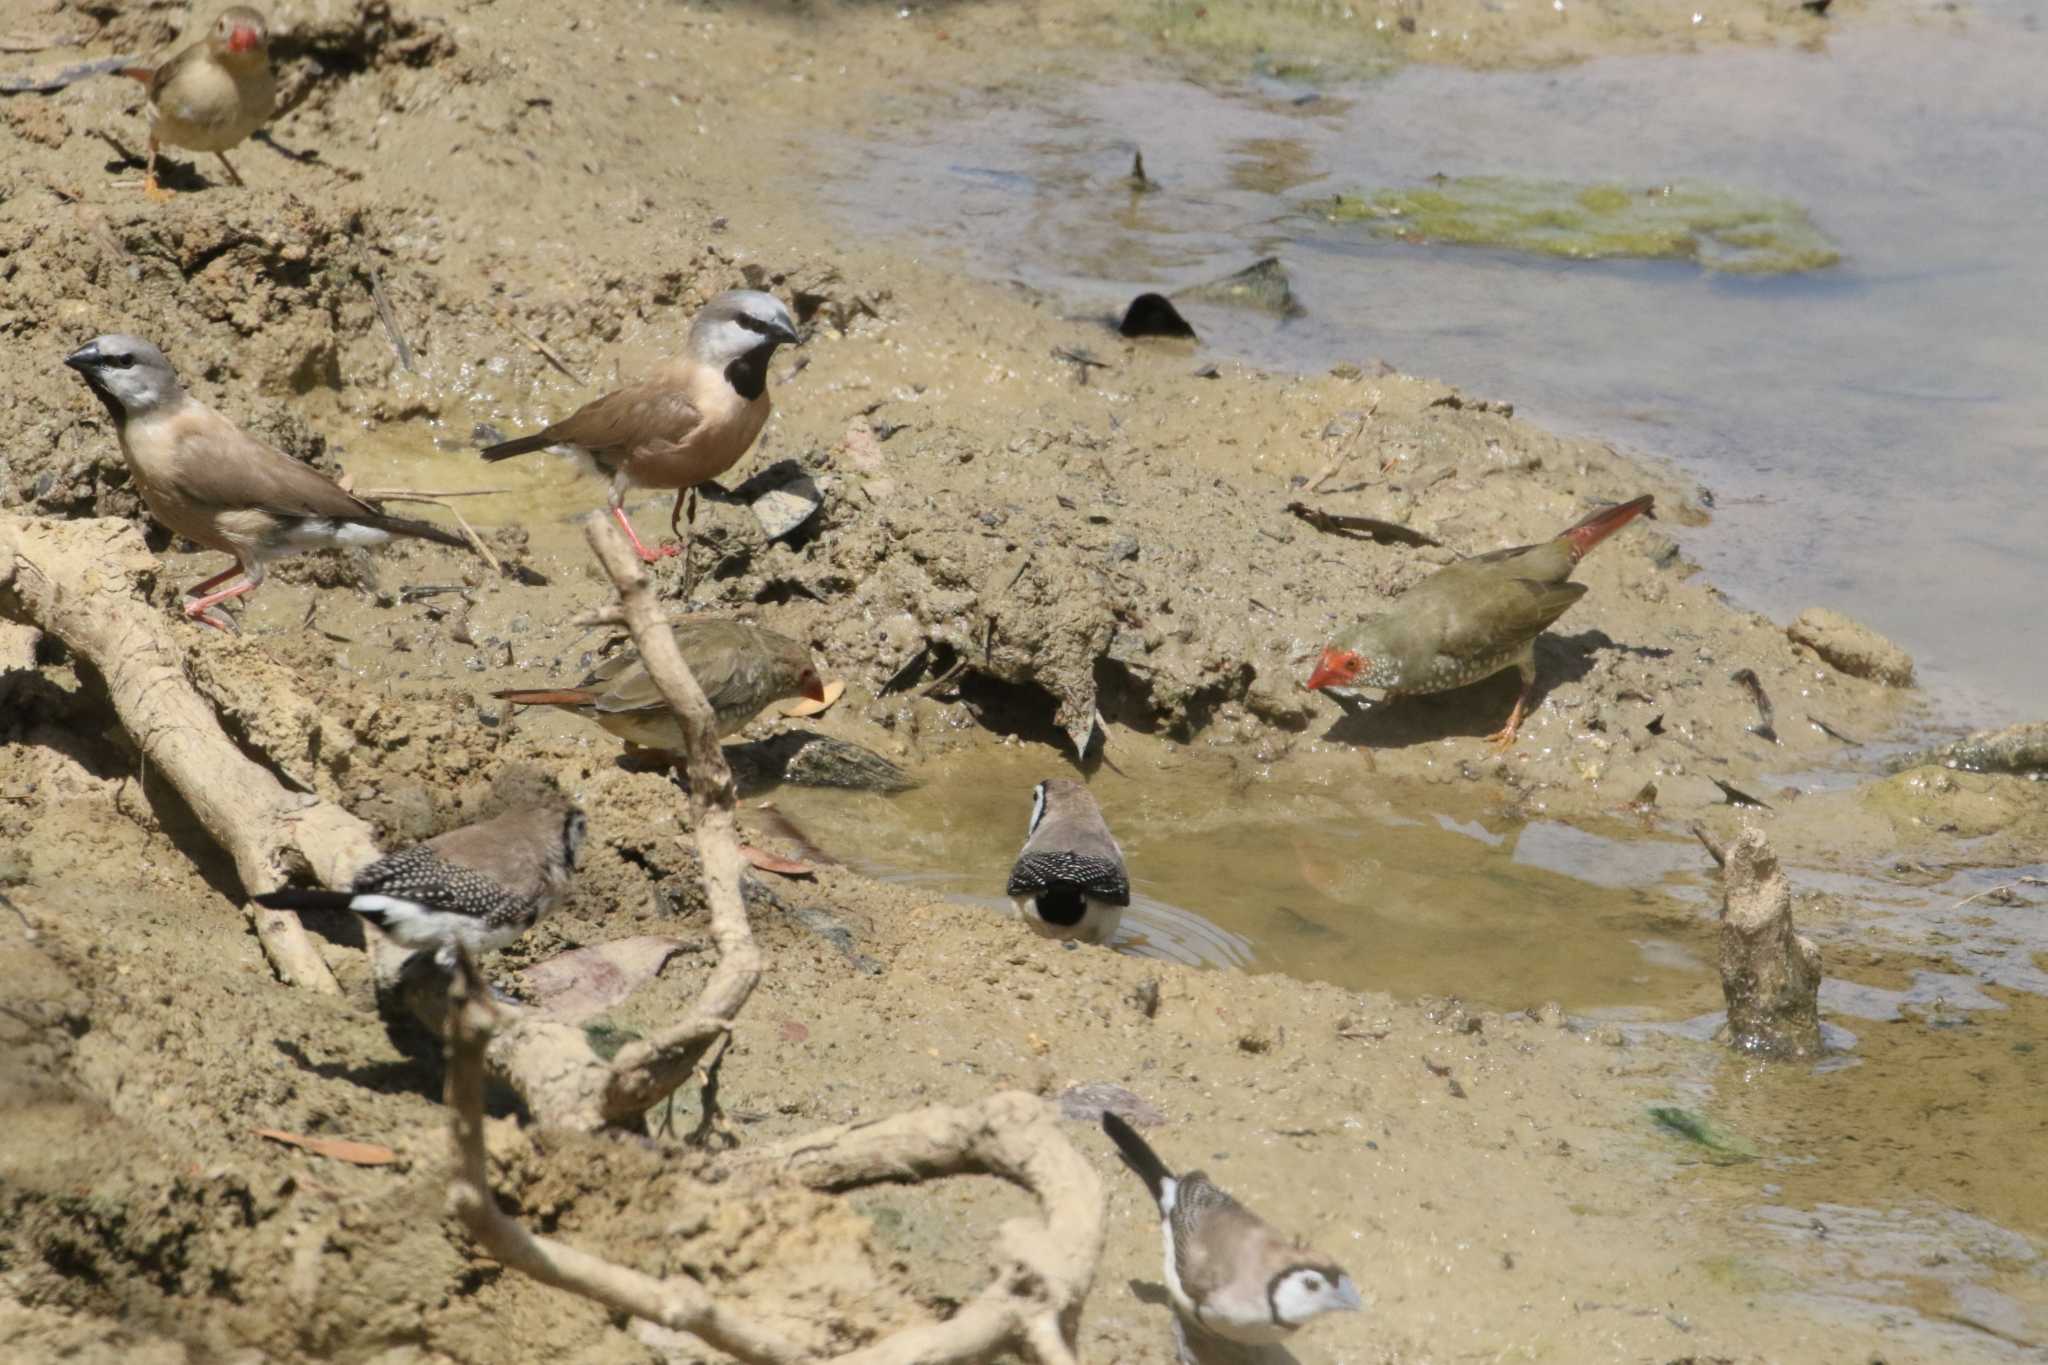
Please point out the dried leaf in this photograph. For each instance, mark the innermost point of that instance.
(340, 1149)
(587, 981)
(775, 862)
(804, 706)
(793, 1032)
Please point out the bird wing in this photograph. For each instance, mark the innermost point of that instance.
(420, 875)
(651, 417)
(216, 464)
(168, 71)
(741, 668)
(1548, 561)
(1475, 614)
(1035, 872)
(1216, 1240)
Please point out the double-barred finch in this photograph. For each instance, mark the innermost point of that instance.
(1472, 619)
(211, 482)
(479, 887)
(1069, 882)
(741, 668)
(211, 95)
(1227, 1271)
(691, 421)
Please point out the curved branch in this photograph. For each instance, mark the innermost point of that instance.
(680, 1304)
(645, 1072)
(1034, 1302)
(1033, 1305)
(82, 581)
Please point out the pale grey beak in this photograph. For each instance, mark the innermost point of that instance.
(1347, 1295)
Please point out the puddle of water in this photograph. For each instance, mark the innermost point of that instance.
(1302, 877)
(1874, 432)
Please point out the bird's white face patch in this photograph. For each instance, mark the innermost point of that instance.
(1037, 809)
(1309, 1291)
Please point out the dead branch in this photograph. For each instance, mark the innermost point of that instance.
(82, 581)
(646, 1071)
(1032, 1306)
(548, 1060)
(680, 1304)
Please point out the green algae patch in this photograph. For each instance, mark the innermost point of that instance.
(1715, 1143)
(1721, 229)
(1302, 40)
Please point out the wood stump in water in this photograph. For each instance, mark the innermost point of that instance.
(1770, 975)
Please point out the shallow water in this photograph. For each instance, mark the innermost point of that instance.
(1874, 433)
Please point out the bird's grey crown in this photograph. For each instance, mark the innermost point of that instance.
(420, 875)
(1037, 873)
(129, 375)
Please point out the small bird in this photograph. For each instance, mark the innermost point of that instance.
(1227, 1270)
(211, 482)
(211, 95)
(479, 887)
(741, 668)
(1471, 619)
(691, 421)
(1068, 880)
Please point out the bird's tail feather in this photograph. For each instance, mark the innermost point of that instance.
(1584, 535)
(301, 898)
(561, 696)
(1137, 1154)
(519, 445)
(423, 530)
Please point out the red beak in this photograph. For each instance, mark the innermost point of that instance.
(243, 40)
(1333, 669)
(814, 687)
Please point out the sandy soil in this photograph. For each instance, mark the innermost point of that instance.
(536, 191)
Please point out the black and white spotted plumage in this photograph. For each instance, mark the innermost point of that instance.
(1069, 881)
(480, 887)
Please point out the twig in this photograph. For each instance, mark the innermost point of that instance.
(28, 928)
(542, 348)
(712, 1122)
(1349, 447)
(388, 316)
(476, 542)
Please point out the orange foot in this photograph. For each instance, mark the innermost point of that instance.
(1503, 739)
(156, 193)
(668, 550)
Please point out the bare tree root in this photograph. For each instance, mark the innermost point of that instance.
(1033, 1305)
(679, 1304)
(81, 581)
(549, 1062)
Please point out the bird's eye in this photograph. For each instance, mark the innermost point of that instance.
(117, 362)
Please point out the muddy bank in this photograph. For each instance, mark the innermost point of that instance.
(1072, 538)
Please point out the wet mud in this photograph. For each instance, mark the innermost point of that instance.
(471, 219)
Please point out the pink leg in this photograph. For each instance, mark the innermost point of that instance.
(647, 556)
(201, 608)
(201, 589)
